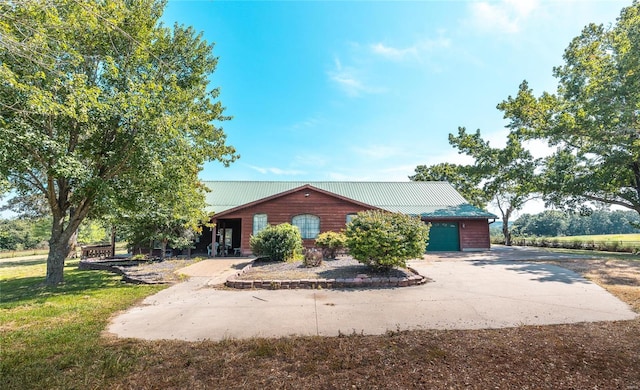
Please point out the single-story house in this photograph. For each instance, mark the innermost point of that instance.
(243, 208)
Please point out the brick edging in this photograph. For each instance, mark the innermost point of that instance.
(234, 282)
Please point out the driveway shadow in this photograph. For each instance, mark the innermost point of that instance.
(541, 272)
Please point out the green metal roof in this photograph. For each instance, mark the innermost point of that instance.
(425, 198)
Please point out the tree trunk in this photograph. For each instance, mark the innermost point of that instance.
(164, 248)
(59, 248)
(60, 244)
(73, 245)
(113, 241)
(506, 232)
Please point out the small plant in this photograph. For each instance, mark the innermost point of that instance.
(280, 243)
(139, 257)
(384, 240)
(331, 243)
(312, 258)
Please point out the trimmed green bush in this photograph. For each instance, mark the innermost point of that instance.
(279, 243)
(331, 243)
(384, 240)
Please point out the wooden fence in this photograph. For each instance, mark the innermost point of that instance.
(93, 251)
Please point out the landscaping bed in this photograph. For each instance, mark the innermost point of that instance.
(141, 271)
(343, 272)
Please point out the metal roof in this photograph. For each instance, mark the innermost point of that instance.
(424, 198)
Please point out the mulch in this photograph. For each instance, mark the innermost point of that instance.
(341, 268)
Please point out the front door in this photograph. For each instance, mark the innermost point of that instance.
(229, 236)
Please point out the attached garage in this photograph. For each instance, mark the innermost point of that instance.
(444, 236)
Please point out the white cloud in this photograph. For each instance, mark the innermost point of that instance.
(539, 148)
(412, 52)
(393, 53)
(349, 79)
(505, 16)
(277, 171)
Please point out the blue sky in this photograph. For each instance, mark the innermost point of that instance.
(368, 90)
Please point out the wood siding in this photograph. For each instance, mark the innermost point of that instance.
(474, 235)
(331, 210)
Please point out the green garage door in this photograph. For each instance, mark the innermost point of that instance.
(443, 236)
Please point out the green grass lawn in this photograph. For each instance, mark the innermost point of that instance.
(603, 238)
(50, 337)
(629, 243)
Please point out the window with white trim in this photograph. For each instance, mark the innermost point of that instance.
(308, 224)
(259, 222)
(350, 217)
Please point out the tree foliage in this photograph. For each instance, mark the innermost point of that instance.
(555, 223)
(98, 101)
(383, 240)
(505, 176)
(508, 175)
(462, 177)
(331, 243)
(592, 120)
(279, 243)
(19, 234)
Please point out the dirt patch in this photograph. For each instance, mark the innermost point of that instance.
(619, 277)
(158, 272)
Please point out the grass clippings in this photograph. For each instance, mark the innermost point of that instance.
(37, 353)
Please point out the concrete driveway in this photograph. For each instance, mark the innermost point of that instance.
(468, 291)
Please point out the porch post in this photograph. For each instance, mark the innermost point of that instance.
(213, 240)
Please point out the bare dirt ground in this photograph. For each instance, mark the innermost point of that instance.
(603, 355)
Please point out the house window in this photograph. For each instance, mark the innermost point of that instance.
(259, 223)
(308, 224)
(350, 217)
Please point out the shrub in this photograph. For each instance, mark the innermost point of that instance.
(384, 240)
(279, 243)
(312, 258)
(331, 243)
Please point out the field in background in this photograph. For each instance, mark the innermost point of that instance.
(627, 238)
(628, 243)
(121, 248)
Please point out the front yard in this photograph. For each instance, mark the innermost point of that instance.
(52, 339)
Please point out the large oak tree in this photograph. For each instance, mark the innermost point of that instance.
(98, 101)
(592, 120)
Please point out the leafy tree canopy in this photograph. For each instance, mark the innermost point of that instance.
(593, 119)
(98, 101)
(506, 176)
(461, 177)
(554, 223)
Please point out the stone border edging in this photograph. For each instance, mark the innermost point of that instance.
(233, 282)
